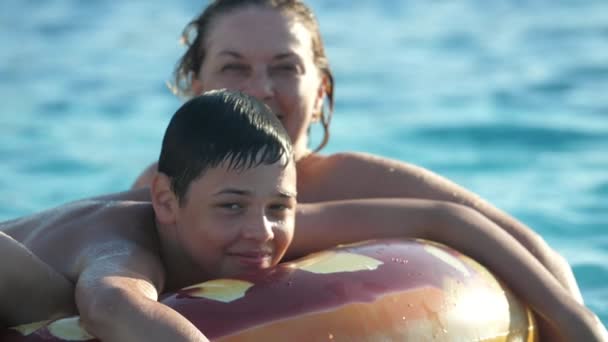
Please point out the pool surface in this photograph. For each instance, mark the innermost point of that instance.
(507, 98)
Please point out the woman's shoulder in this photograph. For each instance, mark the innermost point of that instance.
(146, 177)
(348, 175)
(355, 163)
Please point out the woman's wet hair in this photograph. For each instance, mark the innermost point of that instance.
(220, 127)
(195, 33)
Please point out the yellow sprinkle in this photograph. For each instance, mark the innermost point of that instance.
(329, 262)
(27, 329)
(221, 290)
(69, 329)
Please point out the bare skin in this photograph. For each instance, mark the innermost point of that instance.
(116, 257)
(269, 55)
(13, 310)
(105, 245)
(112, 252)
(464, 229)
(342, 176)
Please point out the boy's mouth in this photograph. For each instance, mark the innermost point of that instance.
(254, 258)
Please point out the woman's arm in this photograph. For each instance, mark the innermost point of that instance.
(321, 225)
(30, 289)
(358, 175)
(117, 298)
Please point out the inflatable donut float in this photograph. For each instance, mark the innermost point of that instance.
(382, 290)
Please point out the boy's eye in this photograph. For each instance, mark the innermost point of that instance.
(231, 206)
(278, 207)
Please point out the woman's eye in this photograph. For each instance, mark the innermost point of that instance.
(285, 68)
(236, 68)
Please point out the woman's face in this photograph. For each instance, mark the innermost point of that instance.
(266, 54)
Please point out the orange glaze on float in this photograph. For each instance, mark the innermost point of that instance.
(378, 290)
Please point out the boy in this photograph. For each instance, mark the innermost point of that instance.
(224, 203)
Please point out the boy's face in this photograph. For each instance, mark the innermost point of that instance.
(233, 222)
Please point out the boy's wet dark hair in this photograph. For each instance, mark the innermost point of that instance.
(220, 126)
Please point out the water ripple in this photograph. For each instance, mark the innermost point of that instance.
(601, 189)
(58, 166)
(505, 97)
(55, 108)
(509, 135)
(583, 73)
(590, 274)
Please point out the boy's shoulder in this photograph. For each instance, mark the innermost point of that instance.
(63, 236)
(99, 216)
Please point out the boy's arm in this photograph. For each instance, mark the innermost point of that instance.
(30, 289)
(117, 296)
(403, 180)
(322, 225)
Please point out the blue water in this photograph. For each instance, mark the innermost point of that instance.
(506, 97)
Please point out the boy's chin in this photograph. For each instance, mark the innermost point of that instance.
(248, 267)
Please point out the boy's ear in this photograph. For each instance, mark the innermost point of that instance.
(164, 201)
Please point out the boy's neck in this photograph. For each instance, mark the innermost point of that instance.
(180, 270)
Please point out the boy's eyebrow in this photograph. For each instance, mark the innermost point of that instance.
(287, 194)
(233, 191)
(243, 192)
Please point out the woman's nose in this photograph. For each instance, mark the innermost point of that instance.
(259, 85)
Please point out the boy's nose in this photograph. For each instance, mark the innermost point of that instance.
(259, 229)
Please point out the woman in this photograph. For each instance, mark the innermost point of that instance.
(272, 49)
